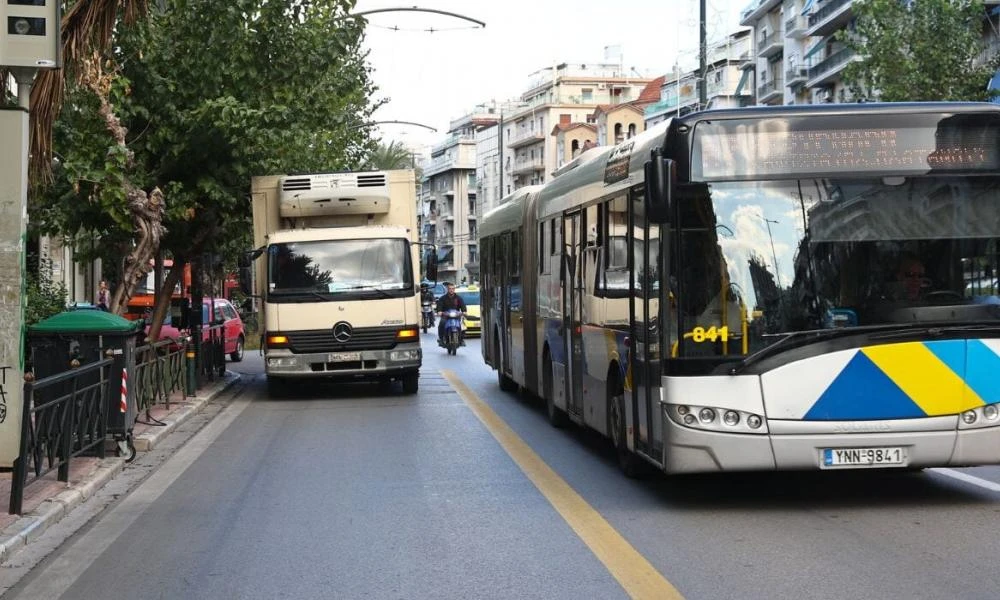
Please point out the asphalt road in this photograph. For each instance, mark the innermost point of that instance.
(351, 492)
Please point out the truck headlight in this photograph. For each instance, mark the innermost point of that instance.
(401, 355)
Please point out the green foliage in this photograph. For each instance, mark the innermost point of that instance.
(268, 87)
(44, 297)
(387, 157)
(918, 51)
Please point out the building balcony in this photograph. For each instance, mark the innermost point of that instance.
(528, 165)
(796, 76)
(769, 44)
(796, 27)
(526, 138)
(756, 10)
(829, 17)
(770, 91)
(828, 70)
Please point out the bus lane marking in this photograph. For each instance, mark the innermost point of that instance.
(634, 573)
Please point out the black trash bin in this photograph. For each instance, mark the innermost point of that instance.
(87, 336)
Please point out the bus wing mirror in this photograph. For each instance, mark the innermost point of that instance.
(661, 178)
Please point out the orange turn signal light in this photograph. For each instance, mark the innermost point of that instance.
(277, 340)
(406, 334)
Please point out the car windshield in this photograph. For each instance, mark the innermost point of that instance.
(330, 268)
(817, 253)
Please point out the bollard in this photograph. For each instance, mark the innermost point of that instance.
(189, 358)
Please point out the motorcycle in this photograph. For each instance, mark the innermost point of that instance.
(452, 330)
(427, 310)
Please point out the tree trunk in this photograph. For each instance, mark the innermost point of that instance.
(163, 297)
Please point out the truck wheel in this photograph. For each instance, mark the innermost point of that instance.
(411, 382)
(277, 387)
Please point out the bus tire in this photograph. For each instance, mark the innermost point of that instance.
(557, 417)
(506, 383)
(629, 462)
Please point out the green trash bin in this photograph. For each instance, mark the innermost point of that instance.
(87, 336)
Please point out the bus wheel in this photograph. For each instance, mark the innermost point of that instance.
(628, 461)
(506, 383)
(557, 417)
(411, 382)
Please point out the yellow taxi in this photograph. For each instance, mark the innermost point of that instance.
(470, 295)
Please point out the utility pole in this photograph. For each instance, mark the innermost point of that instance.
(702, 58)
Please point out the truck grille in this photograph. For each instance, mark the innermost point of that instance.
(363, 338)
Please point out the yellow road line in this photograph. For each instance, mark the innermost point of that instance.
(635, 574)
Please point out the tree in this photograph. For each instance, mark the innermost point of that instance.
(387, 157)
(918, 51)
(271, 87)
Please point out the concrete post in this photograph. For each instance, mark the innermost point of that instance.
(13, 225)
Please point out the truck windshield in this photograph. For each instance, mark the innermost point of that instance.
(339, 267)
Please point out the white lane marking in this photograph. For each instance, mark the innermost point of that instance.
(978, 481)
(70, 565)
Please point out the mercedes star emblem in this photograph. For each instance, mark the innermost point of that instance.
(342, 331)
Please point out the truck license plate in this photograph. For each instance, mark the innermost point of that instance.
(863, 457)
(343, 357)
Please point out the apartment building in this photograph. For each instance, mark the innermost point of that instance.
(797, 56)
(728, 81)
(448, 197)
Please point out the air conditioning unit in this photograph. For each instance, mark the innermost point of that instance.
(602, 86)
(333, 194)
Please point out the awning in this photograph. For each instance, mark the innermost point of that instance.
(808, 6)
(817, 46)
(445, 253)
(743, 81)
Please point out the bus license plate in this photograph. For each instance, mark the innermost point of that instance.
(344, 357)
(863, 457)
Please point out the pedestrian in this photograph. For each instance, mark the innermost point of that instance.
(103, 297)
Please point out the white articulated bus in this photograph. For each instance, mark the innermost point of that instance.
(795, 287)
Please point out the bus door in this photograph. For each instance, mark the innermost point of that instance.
(505, 268)
(572, 310)
(643, 259)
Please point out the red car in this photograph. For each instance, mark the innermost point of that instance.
(223, 314)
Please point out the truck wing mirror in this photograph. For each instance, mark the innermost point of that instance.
(661, 178)
(431, 267)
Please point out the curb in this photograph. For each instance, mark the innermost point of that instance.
(32, 524)
(149, 439)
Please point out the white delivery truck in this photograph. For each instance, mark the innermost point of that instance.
(337, 274)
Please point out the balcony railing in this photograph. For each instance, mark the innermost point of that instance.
(526, 137)
(528, 164)
(830, 63)
(766, 90)
(820, 20)
(796, 26)
(796, 75)
(769, 44)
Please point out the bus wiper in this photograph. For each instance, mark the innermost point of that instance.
(937, 329)
(815, 335)
(300, 292)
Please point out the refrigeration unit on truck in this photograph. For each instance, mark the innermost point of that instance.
(337, 276)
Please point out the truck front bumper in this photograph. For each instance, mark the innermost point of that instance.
(362, 364)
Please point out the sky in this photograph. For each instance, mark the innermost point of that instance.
(435, 77)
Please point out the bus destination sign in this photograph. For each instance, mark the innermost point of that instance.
(735, 153)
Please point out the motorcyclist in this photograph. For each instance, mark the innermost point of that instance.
(427, 297)
(449, 301)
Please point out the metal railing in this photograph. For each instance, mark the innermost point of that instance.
(159, 372)
(64, 416)
(213, 353)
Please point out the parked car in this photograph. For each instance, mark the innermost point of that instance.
(221, 312)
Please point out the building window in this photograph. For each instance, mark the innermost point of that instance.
(588, 95)
(591, 119)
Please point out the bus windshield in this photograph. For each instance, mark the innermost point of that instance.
(798, 255)
(338, 267)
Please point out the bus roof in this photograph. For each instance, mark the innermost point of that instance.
(510, 214)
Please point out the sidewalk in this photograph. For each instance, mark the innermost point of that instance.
(48, 500)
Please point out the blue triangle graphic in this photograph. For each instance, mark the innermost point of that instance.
(983, 374)
(863, 391)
